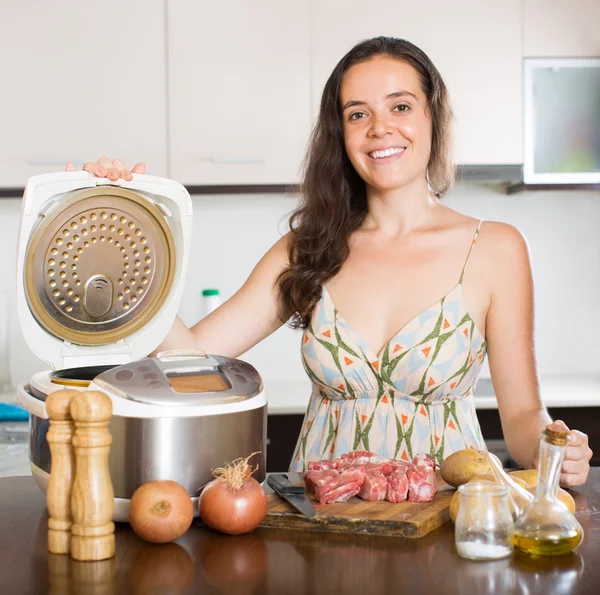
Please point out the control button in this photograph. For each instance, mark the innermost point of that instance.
(150, 376)
(144, 368)
(124, 375)
(155, 384)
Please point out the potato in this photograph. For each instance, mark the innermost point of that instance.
(529, 476)
(563, 496)
(484, 477)
(454, 506)
(463, 465)
(455, 500)
(491, 477)
(520, 482)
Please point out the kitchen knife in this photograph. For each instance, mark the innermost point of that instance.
(294, 494)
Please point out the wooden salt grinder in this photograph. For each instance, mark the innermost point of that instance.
(92, 499)
(62, 465)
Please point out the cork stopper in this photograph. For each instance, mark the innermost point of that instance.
(557, 437)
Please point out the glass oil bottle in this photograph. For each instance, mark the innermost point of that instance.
(547, 527)
(518, 498)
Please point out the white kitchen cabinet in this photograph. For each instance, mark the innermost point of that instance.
(559, 29)
(239, 91)
(81, 80)
(475, 45)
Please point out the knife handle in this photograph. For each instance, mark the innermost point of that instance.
(280, 483)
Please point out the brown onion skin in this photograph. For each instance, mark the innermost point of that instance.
(232, 512)
(156, 526)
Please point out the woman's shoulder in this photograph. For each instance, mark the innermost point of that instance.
(496, 236)
(503, 239)
(501, 255)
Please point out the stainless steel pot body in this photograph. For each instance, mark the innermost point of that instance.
(183, 449)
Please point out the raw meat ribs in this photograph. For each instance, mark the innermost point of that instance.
(372, 477)
(421, 479)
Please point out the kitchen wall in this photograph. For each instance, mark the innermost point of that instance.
(232, 232)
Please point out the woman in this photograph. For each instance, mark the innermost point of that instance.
(398, 303)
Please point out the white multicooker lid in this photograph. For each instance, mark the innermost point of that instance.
(101, 266)
(178, 383)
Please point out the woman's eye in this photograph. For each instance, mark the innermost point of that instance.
(402, 107)
(356, 115)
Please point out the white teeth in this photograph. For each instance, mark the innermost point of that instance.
(386, 153)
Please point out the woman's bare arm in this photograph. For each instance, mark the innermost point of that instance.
(510, 337)
(245, 319)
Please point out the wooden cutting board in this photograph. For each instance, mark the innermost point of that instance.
(403, 519)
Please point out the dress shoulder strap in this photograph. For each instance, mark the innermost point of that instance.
(470, 251)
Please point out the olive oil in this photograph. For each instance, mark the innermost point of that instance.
(546, 543)
(547, 527)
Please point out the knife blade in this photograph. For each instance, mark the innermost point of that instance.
(294, 494)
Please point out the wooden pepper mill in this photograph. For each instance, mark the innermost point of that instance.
(92, 498)
(58, 493)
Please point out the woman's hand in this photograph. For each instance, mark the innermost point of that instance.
(111, 169)
(576, 465)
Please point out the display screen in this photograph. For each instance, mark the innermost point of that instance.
(198, 383)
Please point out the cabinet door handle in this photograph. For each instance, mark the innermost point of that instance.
(268, 442)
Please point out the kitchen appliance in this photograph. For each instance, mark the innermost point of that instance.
(561, 121)
(101, 269)
(294, 493)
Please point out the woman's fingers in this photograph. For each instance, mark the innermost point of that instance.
(109, 168)
(576, 464)
(94, 168)
(139, 168)
(122, 169)
(111, 171)
(577, 439)
(578, 448)
(573, 480)
(558, 425)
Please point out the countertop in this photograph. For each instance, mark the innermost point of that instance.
(276, 561)
(291, 397)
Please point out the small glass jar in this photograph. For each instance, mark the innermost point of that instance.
(484, 526)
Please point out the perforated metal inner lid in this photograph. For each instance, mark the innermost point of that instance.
(99, 265)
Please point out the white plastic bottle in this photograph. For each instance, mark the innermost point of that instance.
(211, 300)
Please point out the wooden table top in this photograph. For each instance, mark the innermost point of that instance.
(279, 561)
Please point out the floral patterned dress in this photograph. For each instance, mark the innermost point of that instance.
(416, 396)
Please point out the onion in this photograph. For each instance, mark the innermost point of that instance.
(234, 502)
(160, 511)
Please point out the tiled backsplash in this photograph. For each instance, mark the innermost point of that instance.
(231, 233)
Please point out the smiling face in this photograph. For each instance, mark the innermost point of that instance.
(387, 128)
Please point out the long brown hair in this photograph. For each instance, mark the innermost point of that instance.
(333, 200)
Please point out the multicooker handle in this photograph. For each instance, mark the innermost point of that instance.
(179, 354)
(34, 406)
